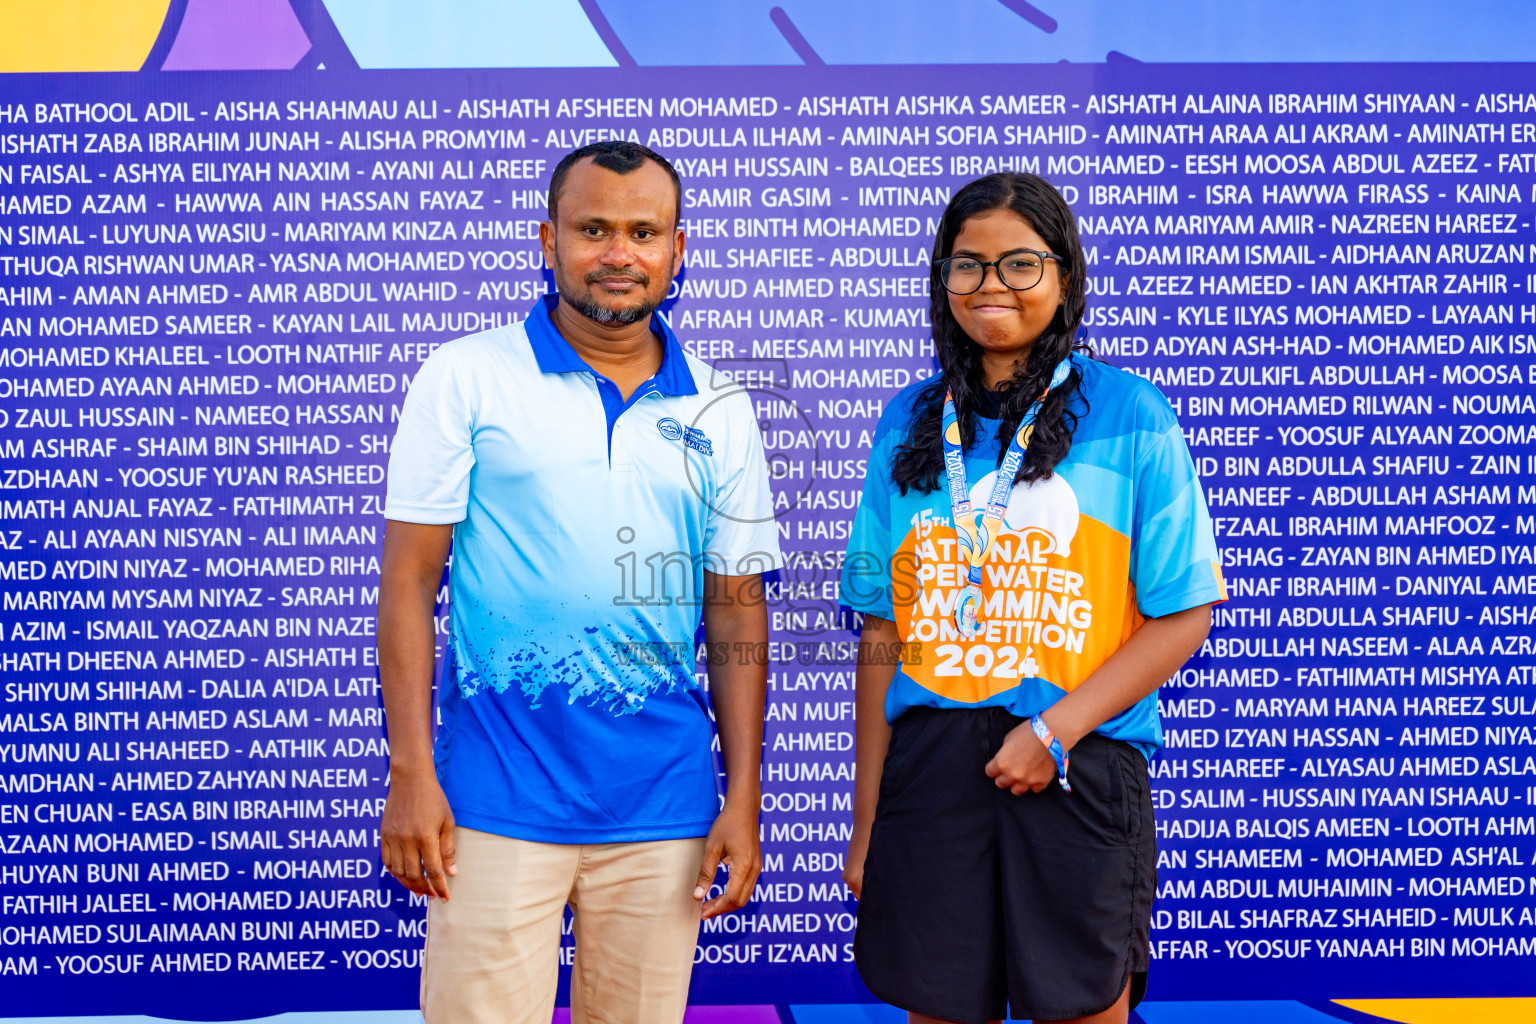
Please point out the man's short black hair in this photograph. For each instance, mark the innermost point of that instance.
(614, 155)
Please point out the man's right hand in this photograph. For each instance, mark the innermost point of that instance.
(416, 835)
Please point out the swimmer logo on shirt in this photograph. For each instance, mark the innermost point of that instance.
(693, 437)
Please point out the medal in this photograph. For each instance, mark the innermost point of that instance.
(975, 533)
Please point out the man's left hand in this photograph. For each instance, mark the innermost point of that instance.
(732, 841)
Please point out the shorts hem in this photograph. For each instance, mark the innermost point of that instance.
(1129, 983)
(911, 1007)
(1019, 1014)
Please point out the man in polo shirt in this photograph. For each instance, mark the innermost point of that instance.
(602, 494)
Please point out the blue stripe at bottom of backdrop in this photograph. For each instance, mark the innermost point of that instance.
(1277, 1011)
(348, 1017)
(1159, 1012)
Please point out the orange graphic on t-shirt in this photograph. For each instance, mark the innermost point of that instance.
(1057, 602)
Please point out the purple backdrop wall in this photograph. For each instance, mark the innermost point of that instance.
(216, 291)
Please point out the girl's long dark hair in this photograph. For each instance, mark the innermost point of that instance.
(919, 462)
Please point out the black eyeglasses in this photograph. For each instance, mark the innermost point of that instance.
(1020, 270)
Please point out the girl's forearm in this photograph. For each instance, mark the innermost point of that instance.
(878, 645)
(1142, 664)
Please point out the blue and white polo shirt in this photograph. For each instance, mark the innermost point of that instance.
(584, 524)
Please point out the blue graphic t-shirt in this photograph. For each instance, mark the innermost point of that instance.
(584, 525)
(1118, 532)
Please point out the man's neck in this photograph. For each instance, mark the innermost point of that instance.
(627, 354)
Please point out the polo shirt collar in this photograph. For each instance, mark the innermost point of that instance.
(555, 355)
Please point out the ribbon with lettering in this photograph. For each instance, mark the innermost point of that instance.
(976, 533)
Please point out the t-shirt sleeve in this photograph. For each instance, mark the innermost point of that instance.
(432, 454)
(1174, 562)
(866, 579)
(741, 534)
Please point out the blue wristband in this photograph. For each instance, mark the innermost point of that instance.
(1059, 755)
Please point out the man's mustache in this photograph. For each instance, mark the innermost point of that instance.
(627, 275)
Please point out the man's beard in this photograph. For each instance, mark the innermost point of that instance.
(588, 307)
(603, 315)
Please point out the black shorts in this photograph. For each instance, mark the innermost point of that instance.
(978, 902)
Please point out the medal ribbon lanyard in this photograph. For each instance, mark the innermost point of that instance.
(975, 538)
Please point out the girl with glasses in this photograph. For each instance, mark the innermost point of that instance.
(1033, 557)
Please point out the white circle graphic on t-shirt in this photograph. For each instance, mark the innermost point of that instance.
(1049, 506)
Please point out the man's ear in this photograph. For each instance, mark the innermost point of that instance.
(679, 246)
(547, 240)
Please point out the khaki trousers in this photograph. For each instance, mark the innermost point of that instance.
(492, 952)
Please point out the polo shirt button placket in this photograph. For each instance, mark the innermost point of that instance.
(622, 459)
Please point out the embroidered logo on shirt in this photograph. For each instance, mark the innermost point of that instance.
(693, 437)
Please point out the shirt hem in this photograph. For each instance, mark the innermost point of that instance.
(752, 557)
(1184, 600)
(425, 516)
(536, 832)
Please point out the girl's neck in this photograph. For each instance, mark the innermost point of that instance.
(997, 369)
